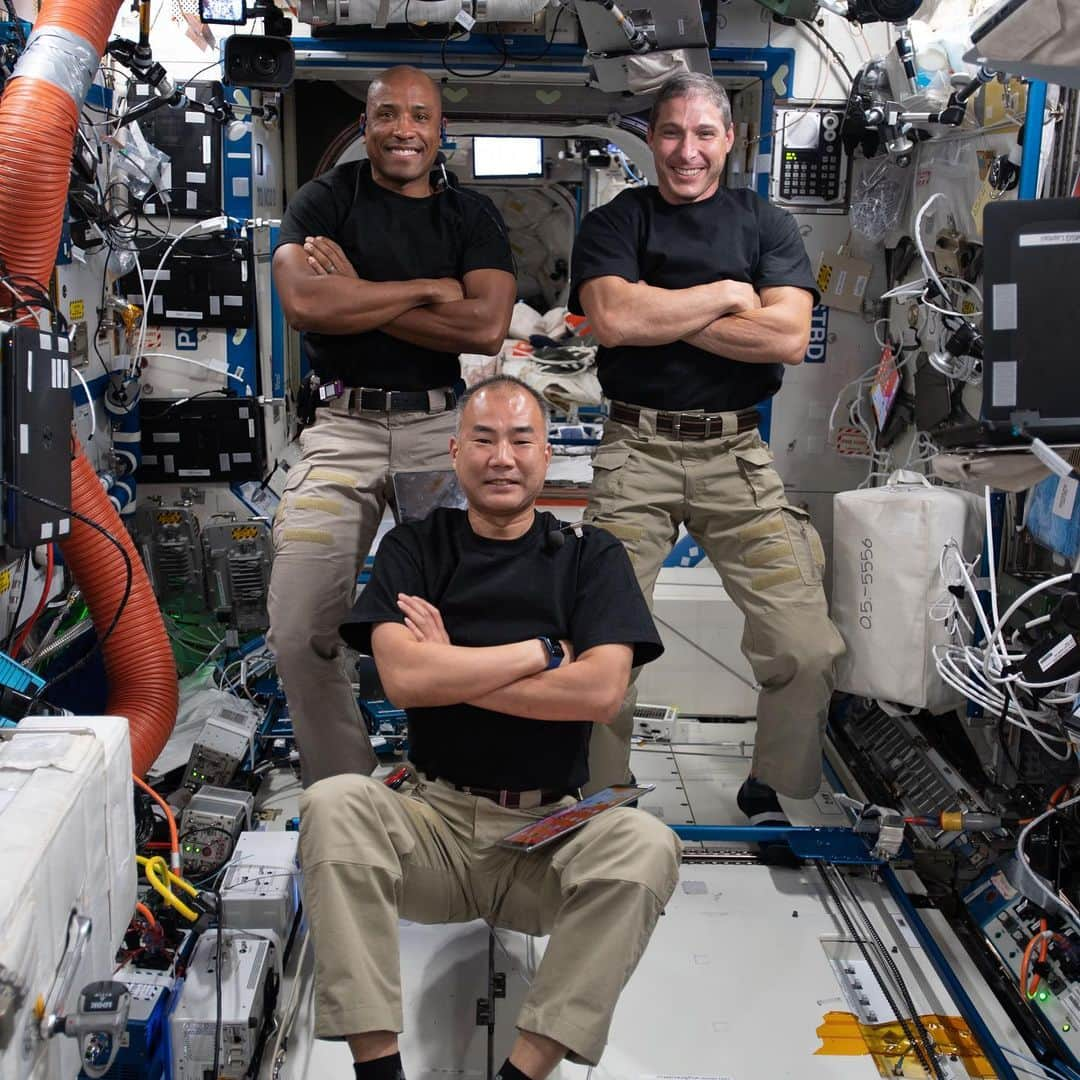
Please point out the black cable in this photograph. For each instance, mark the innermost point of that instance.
(549, 43)
(829, 45)
(1002, 720)
(474, 74)
(217, 63)
(228, 391)
(905, 994)
(930, 1065)
(35, 296)
(101, 309)
(129, 573)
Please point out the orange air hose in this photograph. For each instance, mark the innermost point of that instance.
(138, 658)
(37, 130)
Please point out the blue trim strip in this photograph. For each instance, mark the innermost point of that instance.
(987, 1043)
(1033, 133)
(827, 844)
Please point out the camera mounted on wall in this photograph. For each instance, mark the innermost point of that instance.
(261, 63)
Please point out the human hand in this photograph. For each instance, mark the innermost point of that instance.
(423, 619)
(325, 256)
(446, 291)
(739, 296)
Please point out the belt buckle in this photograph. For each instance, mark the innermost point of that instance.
(504, 797)
(708, 427)
(676, 424)
(387, 398)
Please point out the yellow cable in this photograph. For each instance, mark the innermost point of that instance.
(151, 868)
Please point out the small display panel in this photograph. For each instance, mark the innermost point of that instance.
(502, 156)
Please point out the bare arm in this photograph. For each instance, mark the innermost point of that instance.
(475, 320)
(476, 324)
(430, 673)
(342, 303)
(777, 332)
(591, 688)
(633, 313)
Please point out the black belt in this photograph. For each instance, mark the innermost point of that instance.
(368, 399)
(517, 800)
(683, 425)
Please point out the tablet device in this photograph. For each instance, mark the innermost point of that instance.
(537, 834)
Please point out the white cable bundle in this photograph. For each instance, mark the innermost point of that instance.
(983, 673)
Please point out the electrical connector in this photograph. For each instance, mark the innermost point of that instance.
(213, 225)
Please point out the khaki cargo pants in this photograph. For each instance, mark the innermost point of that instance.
(372, 856)
(731, 500)
(333, 502)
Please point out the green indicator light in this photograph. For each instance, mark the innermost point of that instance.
(1043, 995)
(1066, 1027)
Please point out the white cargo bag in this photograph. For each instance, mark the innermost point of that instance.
(887, 545)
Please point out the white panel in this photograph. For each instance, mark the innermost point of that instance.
(69, 840)
(684, 676)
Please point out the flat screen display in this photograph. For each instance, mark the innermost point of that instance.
(506, 156)
(228, 12)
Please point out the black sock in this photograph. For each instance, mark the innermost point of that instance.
(384, 1068)
(510, 1072)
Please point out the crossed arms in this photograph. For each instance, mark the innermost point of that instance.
(321, 291)
(419, 667)
(726, 318)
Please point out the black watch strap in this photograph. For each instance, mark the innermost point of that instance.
(555, 651)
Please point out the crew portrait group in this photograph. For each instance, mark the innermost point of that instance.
(496, 620)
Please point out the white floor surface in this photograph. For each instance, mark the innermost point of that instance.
(733, 986)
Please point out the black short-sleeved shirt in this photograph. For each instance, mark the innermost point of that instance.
(392, 237)
(496, 592)
(734, 235)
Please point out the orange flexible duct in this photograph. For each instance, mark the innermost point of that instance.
(37, 131)
(138, 658)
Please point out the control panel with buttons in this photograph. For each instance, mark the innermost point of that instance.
(809, 166)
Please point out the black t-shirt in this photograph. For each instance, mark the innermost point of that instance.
(496, 592)
(735, 235)
(392, 237)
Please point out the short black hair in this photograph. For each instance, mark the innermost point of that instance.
(511, 381)
(687, 84)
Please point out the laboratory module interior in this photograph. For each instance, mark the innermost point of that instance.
(762, 521)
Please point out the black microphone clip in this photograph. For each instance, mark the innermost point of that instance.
(556, 537)
(439, 178)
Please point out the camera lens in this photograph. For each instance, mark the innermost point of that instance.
(265, 64)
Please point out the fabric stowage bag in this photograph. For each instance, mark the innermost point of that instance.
(887, 545)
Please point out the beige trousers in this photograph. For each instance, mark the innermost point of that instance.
(333, 502)
(731, 500)
(428, 854)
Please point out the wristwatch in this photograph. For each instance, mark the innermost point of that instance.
(555, 651)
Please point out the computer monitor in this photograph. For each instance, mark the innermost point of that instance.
(504, 157)
(1031, 379)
